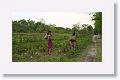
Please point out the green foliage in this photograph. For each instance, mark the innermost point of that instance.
(99, 50)
(97, 18)
(30, 26)
(76, 27)
(26, 45)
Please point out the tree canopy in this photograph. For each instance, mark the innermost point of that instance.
(97, 18)
(30, 26)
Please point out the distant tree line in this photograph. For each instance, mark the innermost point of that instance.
(30, 26)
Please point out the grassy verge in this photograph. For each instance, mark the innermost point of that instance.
(99, 50)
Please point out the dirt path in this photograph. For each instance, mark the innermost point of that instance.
(91, 55)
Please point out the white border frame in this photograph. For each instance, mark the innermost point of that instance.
(104, 67)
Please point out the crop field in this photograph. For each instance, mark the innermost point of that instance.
(32, 47)
(29, 43)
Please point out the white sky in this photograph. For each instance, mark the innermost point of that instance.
(61, 19)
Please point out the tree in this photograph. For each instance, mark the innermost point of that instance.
(52, 27)
(76, 27)
(30, 26)
(97, 18)
(90, 29)
(84, 26)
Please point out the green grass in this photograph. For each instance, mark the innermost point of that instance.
(99, 50)
(32, 47)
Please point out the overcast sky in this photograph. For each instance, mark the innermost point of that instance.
(61, 19)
